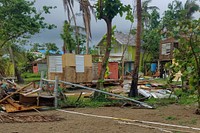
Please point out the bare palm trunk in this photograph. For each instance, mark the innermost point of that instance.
(107, 54)
(87, 44)
(16, 71)
(134, 91)
(76, 30)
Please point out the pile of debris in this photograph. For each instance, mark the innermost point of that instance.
(14, 98)
(148, 90)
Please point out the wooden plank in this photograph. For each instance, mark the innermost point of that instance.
(80, 77)
(51, 76)
(68, 60)
(88, 74)
(95, 71)
(88, 60)
(70, 74)
(11, 109)
(20, 89)
(16, 105)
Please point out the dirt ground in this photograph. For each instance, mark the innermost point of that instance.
(120, 120)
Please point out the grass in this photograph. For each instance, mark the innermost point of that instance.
(193, 121)
(72, 101)
(171, 118)
(161, 102)
(29, 77)
(184, 98)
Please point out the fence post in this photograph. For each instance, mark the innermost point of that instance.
(56, 92)
(40, 86)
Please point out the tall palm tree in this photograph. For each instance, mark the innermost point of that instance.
(146, 11)
(85, 7)
(134, 91)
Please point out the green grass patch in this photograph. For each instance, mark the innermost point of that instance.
(171, 118)
(186, 97)
(193, 121)
(161, 102)
(73, 101)
(29, 77)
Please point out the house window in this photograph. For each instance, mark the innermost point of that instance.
(176, 44)
(166, 49)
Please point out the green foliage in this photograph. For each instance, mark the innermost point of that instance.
(178, 23)
(20, 19)
(35, 47)
(111, 8)
(186, 97)
(6, 67)
(176, 14)
(45, 46)
(67, 36)
(150, 33)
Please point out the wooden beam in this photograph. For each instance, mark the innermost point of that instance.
(20, 89)
(16, 105)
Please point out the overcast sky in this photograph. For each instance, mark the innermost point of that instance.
(98, 27)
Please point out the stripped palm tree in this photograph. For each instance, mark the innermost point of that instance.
(85, 7)
(191, 7)
(146, 11)
(68, 4)
(134, 91)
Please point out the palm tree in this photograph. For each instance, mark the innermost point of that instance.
(85, 7)
(134, 91)
(146, 11)
(191, 7)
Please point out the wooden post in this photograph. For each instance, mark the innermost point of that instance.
(40, 86)
(122, 69)
(158, 66)
(41, 77)
(56, 92)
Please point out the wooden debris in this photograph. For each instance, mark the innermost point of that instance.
(20, 89)
(16, 105)
(9, 108)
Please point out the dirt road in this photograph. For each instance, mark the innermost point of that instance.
(110, 120)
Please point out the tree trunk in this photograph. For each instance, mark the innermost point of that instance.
(87, 43)
(16, 71)
(142, 60)
(106, 57)
(134, 91)
(64, 48)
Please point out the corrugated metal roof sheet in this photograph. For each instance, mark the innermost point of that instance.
(122, 39)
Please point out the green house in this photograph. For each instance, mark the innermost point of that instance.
(121, 42)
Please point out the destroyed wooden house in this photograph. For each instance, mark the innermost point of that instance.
(78, 69)
(166, 49)
(71, 68)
